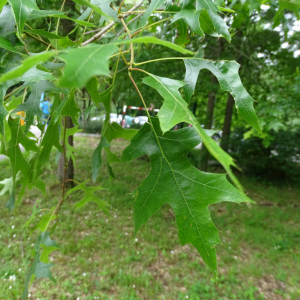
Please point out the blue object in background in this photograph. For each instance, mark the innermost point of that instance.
(45, 106)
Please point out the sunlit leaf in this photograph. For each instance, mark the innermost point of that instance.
(153, 40)
(94, 63)
(2, 3)
(22, 10)
(26, 65)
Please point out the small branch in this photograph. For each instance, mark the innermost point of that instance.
(131, 21)
(40, 40)
(154, 12)
(119, 10)
(58, 20)
(152, 25)
(147, 111)
(105, 29)
(65, 167)
(131, 44)
(8, 95)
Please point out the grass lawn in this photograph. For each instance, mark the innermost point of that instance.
(100, 258)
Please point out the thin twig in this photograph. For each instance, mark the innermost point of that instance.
(65, 167)
(131, 21)
(40, 40)
(131, 44)
(160, 21)
(106, 28)
(8, 95)
(58, 20)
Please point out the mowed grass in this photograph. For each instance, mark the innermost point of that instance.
(101, 258)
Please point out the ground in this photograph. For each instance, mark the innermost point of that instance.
(101, 258)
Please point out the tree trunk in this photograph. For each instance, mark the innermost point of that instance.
(204, 154)
(70, 164)
(227, 123)
(67, 26)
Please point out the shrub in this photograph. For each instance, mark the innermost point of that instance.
(280, 160)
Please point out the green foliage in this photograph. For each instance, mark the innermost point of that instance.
(95, 63)
(74, 60)
(171, 168)
(89, 196)
(227, 74)
(277, 162)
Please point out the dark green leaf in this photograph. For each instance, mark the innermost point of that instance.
(36, 14)
(174, 180)
(14, 152)
(292, 5)
(229, 79)
(6, 44)
(213, 11)
(71, 109)
(44, 33)
(92, 88)
(175, 111)
(182, 36)
(207, 26)
(192, 18)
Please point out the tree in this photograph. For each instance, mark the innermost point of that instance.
(86, 57)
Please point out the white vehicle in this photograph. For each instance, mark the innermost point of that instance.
(113, 118)
(141, 120)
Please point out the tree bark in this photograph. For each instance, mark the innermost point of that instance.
(70, 163)
(204, 154)
(227, 123)
(67, 26)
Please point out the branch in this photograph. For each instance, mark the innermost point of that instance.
(40, 40)
(131, 21)
(106, 28)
